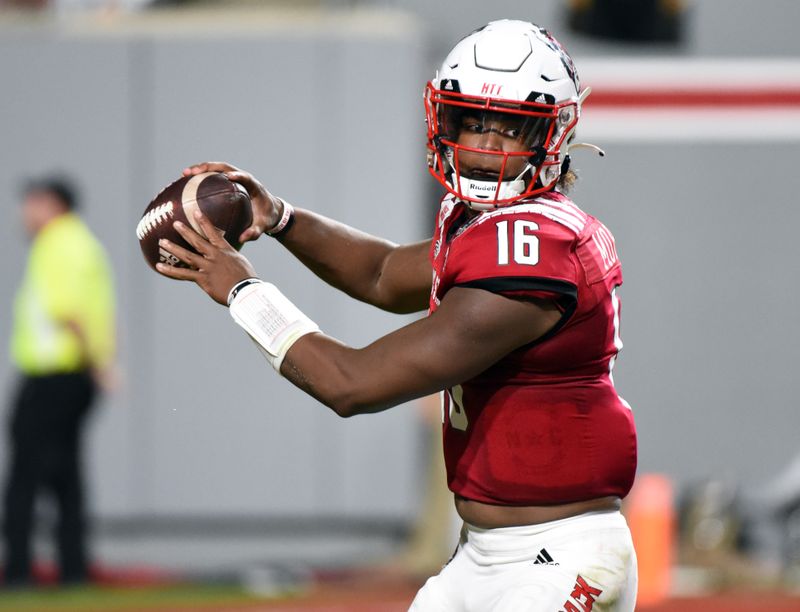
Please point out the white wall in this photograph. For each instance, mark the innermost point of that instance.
(203, 426)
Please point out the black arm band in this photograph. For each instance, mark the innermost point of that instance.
(284, 223)
(285, 229)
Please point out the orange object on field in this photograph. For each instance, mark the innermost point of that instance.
(650, 513)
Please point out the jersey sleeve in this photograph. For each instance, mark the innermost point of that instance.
(517, 254)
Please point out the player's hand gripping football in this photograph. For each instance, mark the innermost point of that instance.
(267, 209)
(216, 267)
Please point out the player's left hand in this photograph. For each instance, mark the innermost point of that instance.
(216, 267)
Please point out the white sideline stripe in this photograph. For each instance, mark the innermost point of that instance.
(727, 74)
(763, 124)
(690, 124)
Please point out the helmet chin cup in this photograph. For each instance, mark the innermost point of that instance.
(487, 195)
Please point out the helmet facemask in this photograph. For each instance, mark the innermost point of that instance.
(513, 78)
(492, 152)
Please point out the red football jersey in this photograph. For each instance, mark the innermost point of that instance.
(544, 425)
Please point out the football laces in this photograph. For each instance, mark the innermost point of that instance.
(154, 218)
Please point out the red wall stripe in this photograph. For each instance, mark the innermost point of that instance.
(618, 97)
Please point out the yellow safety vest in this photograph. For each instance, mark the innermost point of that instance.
(67, 279)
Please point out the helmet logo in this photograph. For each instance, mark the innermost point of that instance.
(491, 89)
(565, 58)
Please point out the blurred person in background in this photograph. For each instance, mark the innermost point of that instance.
(67, 6)
(25, 4)
(521, 335)
(62, 343)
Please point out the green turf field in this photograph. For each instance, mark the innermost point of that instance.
(108, 599)
(330, 598)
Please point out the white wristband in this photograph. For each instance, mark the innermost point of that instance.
(283, 222)
(270, 319)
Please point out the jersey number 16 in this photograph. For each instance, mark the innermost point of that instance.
(523, 246)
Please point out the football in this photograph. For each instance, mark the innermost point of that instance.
(225, 203)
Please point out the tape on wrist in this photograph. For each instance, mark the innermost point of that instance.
(285, 222)
(270, 319)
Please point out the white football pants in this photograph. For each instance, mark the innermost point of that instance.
(579, 564)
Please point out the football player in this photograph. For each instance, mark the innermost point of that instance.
(521, 334)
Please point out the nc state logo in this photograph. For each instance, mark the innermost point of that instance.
(437, 246)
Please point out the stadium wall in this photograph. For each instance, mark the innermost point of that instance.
(701, 198)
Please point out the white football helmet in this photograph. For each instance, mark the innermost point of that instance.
(514, 72)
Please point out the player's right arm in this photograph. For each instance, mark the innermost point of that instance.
(393, 277)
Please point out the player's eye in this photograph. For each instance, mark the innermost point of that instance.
(473, 126)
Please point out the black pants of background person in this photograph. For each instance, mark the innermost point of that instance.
(45, 430)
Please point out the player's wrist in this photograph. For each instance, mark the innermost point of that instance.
(270, 319)
(285, 219)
